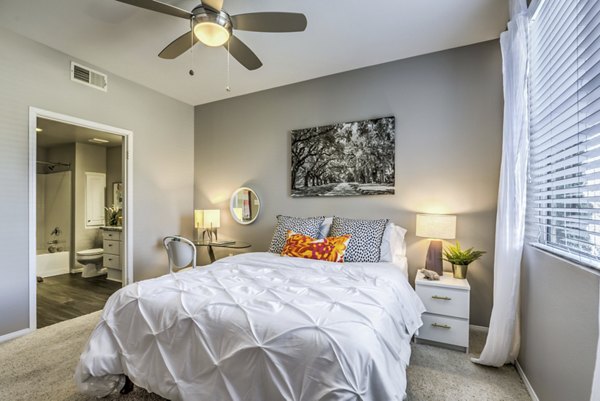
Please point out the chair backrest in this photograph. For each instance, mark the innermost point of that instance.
(181, 252)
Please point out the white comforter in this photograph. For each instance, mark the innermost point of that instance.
(258, 327)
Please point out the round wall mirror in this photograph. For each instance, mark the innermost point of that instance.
(244, 205)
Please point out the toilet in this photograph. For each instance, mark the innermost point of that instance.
(91, 259)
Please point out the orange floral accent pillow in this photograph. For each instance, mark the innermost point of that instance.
(330, 249)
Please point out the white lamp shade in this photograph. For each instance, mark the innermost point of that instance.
(437, 226)
(210, 218)
(198, 218)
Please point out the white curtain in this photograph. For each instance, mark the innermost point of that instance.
(503, 341)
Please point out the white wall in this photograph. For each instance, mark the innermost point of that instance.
(34, 75)
(57, 208)
(448, 109)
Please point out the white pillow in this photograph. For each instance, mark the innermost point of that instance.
(399, 249)
(393, 246)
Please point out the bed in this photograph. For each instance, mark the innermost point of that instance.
(258, 326)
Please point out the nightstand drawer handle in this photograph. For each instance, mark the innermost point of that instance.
(441, 326)
(442, 298)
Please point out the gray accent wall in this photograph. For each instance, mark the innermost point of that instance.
(89, 158)
(559, 326)
(32, 74)
(114, 171)
(448, 109)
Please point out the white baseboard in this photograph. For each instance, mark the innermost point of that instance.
(528, 386)
(15, 334)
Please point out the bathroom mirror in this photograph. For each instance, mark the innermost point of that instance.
(244, 205)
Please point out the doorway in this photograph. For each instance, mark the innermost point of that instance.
(80, 215)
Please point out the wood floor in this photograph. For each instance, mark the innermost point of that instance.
(68, 296)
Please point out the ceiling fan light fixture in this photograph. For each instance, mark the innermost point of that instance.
(211, 33)
(213, 27)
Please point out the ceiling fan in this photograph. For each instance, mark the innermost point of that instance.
(214, 27)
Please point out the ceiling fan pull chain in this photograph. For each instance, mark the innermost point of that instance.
(228, 87)
(192, 47)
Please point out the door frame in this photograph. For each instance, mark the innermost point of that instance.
(127, 164)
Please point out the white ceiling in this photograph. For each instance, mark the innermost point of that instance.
(56, 133)
(342, 35)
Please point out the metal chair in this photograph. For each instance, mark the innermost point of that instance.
(181, 252)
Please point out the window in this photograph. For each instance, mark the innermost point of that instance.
(564, 115)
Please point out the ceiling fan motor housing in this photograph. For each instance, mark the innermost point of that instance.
(211, 24)
(213, 27)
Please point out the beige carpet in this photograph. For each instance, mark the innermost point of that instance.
(438, 374)
(40, 367)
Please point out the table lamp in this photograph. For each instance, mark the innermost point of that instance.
(436, 227)
(208, 221)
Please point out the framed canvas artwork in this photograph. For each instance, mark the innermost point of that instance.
(345, 159)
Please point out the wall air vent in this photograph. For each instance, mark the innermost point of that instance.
(87, 76)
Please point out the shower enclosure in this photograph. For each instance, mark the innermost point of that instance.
(53, 218)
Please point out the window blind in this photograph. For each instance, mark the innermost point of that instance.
(564, 117)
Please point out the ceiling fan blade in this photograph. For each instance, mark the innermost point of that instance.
(216, 5)
(179, 46)
(270, 22)
(159, 7)
(243, 54)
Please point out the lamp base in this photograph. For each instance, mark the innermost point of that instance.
(434, 257)
(211, 234)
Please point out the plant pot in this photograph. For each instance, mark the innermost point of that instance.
(459, 271)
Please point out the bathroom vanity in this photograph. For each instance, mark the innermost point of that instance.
(113, 252)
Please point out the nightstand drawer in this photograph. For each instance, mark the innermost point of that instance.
(111, 235)
(443, 329)
(112, 247)
(112, 262)
(444, 301)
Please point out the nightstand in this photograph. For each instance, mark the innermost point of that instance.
(446, 320)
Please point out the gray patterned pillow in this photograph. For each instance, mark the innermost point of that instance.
(302, 225)
(365, 243)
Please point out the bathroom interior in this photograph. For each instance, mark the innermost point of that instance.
(79, 219)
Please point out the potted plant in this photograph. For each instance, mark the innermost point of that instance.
(460, 259)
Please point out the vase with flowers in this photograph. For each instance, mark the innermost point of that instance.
(112, 215)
